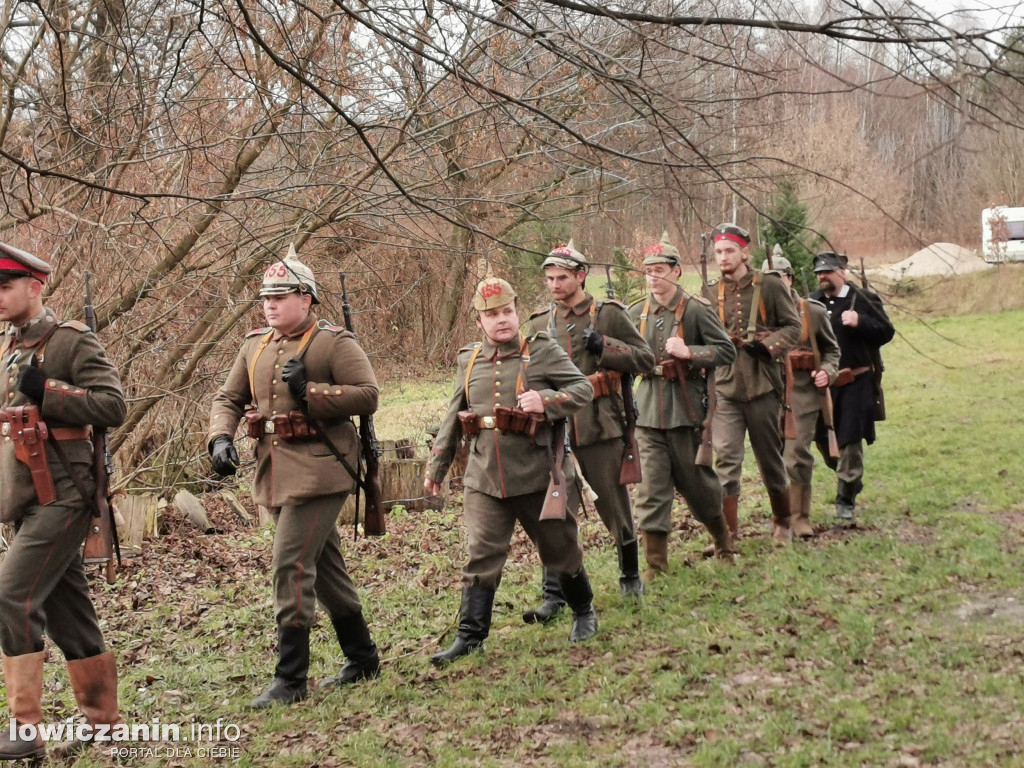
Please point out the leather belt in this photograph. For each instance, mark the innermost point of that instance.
(71, 433)
(487, 422)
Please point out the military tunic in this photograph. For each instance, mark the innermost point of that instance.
(671, 413)
(805, 397)
(507, 474)
(300, 481)
(42, 578)
(749, 392)
(596, 430)
(854, 404)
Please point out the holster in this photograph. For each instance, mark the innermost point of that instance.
(28, 433)
(630, 471)
(605, 383)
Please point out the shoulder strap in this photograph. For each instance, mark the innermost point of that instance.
(643, 315)
(469, 370)
(307, 337)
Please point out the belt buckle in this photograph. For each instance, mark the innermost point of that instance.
(268, 427)
(487, 422)
(5, 430)
(659, 370)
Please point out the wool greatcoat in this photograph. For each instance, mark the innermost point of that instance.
(671, 413)
(507, 474)
(301, 482)
(596, 430)
(42, 578)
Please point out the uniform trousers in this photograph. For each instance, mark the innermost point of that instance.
(601, 464)
(490, 522)
(308, 565)
(667, 457)
(797, 454)
(43, 587)
(759, 419)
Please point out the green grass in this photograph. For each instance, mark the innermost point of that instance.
(892, 644)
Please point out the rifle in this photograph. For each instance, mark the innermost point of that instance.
(877, 366)
(630, 471)
(824, 393)
(369, 449)
(101, 543)
(556, 497)
(705, 452)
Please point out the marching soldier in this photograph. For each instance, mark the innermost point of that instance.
(689, 342)
(298, 383)
(811, 366)
(862, 327)
(758, 313)
(603, 344)
(512, 394)
(58, 380)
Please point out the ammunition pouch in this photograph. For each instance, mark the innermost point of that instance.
(293, 426)
(29, 433)
(470, 423)
(605, 382)
(801, 359)
(670, 369)
(516, 421)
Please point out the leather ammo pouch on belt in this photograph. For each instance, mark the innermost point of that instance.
(470, 423)
(28, 433)
(605, 382)
(671, 369)
(801, 359)
(516, 420)
(293, 425)
(254, 422)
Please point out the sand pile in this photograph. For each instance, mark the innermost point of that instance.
(936, 259)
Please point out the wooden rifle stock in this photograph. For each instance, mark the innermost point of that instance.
(789, 419)
(705, 451)
(830, 425)
(556, 497)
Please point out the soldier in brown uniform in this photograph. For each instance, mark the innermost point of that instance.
(56, 373)
(810, 367)
(507, 387)
(758, 312)
(689, 342)
(603, 344)
(294, 381)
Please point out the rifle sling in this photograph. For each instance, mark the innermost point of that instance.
(90, 502)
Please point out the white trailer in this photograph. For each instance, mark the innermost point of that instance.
(1002, 234)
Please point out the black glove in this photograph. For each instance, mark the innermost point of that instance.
(594, 341)
(294, 375)
(224, 455)
(32, 383)
(758, 351)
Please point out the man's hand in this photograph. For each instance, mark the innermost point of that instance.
(32, 383)
(678, 349)
(294, 375)
(432, 488)
(850, 318)
(224, 456)
(593, 341)
(758, 351)
(531, 401)
(820, 379)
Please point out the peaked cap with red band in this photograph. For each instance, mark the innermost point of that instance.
(567, 257)
(738, 235)
(15, 262)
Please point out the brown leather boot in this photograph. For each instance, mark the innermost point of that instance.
(800, 510)
(731, 513)
(782, 533)
(656, 550)
(23, 676)
(94, 683)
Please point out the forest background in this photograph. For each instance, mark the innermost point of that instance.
(174, 149)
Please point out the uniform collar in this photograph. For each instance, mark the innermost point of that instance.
(579, 309)
(508, 349)
(743, 282)
(673, 302)
(32, 332)
(301, 329)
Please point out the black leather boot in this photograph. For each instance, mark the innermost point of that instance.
(629, 562)
(580, 597)
(552, 604)
(474, 625)
(363, 661)
(292, 669)
(846, 499)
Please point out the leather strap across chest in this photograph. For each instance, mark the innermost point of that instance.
(755, 301)
(524, 363)
(307, 337)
